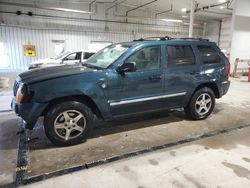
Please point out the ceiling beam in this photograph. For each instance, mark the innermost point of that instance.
(163, 12)
(143, 5)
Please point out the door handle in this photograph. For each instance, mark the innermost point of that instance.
(155, 77)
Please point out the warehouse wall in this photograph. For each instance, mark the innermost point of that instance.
(15, 37)
(212, 30)
(226, 35)
(240, 33)
(77, 31)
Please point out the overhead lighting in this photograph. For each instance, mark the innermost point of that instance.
(222, 7)
(222, 1)
(184, 10)
(172, 20)
(184, 16)
(70, 10)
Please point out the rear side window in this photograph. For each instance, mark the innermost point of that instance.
(87, 55)
(180, 55)
(209, 55)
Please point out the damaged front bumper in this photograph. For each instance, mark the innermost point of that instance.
(29, 112)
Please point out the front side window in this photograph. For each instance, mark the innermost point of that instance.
(209, 55)
(180, 55)
(72, 56)
(107, 56)
(147, 58)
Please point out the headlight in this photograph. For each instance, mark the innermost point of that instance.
(20, 92)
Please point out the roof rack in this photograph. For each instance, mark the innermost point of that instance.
(169, 38)
(152, 38)
(191, 38)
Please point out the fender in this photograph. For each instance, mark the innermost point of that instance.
(83, 84)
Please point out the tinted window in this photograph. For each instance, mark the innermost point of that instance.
(180, 55)
(78, 56)
(87, 55)
(209, 55)
(147, 58)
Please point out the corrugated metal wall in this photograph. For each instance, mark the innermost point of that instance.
(226, 34)
(17, 31)
(15, 37)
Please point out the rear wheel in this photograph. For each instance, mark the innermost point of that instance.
(201, 104)
(68, 123)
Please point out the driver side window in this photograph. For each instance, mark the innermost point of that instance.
(147, 58)
(71, 57)
(74, 56)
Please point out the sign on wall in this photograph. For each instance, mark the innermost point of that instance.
(59, 46)
(29, 50)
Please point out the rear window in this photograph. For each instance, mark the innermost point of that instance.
(180, 55)
(209, 55)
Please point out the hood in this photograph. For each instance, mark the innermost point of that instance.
(36, 75)
(45, 61)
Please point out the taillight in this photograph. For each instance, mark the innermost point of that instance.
(227, 69)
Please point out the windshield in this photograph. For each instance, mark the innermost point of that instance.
(106, 56)
(60, 56)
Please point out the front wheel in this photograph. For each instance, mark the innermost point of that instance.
(68, 123)
(201, 104)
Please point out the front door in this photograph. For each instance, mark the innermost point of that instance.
(141, 90)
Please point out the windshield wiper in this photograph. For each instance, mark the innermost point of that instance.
(91, 66)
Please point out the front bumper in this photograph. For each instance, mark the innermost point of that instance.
(29, 112)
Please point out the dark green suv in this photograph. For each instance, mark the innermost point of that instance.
(123, 79)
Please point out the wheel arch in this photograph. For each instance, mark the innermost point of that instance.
(211, 85)
(80, 98)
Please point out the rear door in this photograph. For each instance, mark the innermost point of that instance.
(182, 71)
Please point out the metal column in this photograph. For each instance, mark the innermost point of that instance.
(191, 22)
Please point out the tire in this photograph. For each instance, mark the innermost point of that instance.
(68, 123)
(199, 107)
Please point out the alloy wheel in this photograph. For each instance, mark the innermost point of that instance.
(69, 124)
(203, 104)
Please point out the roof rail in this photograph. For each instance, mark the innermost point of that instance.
(191, 38)
(151, 38)
(170, 38)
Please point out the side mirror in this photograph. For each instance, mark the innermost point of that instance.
(127, 67)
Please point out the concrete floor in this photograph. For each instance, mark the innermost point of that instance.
(9, 125)
(5, 100)
(219, 161)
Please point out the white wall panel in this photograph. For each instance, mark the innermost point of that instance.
(226, 34)
(17, 31)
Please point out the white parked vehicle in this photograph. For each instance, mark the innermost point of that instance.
(68, 58)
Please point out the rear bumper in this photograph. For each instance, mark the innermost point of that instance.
(29, 112)
(224, 87)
